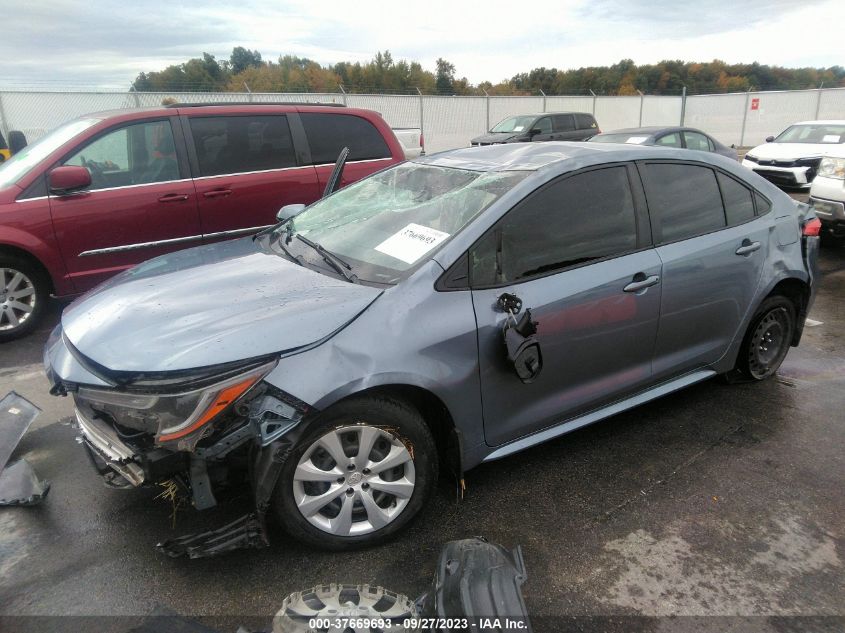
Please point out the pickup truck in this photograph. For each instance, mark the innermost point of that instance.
(411, 139)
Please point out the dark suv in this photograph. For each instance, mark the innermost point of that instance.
(107, 191)
(546, 126)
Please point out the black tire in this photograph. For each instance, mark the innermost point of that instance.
(17, 141)
(768, 338)
(41, 285)
(404, 426)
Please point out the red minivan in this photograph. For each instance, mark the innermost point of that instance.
(109, 190)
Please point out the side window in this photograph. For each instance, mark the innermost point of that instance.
(697, 141)
(237, 144)
(544, 125)
(585, 121)
(575, 220)
(330, 133)
(763, 205)
(739, 205)
(669, 140)
(564, 122)
(683, 199)
(132, 155)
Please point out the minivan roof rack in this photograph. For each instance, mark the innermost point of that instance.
(253, 103)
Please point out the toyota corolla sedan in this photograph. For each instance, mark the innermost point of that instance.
(444, 312)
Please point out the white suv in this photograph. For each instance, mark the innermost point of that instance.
(792, 159)
(827, 195)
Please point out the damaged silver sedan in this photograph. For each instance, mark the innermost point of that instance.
(444, 312)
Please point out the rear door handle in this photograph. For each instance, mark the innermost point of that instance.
(641, 282)
(748, 247)
(217, 193)
(174, 197)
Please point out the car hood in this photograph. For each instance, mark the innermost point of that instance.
(781, 151)
(208, 305)
(495, 137)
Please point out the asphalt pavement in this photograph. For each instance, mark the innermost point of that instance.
(722, 506)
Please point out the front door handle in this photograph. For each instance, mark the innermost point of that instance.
(217, 193)
(174, 197)
(747, 247)
(641, 282)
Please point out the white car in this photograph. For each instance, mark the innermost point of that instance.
(827, 194)
(792, 158)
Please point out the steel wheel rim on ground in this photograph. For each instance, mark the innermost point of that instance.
(354, 480)
(17, 299)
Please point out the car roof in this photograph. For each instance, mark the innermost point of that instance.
(536, 156)
(649, 129)
(545, 114)
(821, 122)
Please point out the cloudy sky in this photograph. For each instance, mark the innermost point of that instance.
(104, 43)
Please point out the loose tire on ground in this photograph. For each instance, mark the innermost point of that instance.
(364, 469)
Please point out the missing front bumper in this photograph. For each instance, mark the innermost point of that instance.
(106, 448)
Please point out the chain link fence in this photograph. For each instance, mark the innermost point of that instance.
(741, 119)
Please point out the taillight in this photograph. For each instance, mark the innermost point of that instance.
(812, 228)
(422, 142)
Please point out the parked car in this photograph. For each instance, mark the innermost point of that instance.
(454, 309)
(546, 126)
(827, 194)
(792, 158)
(671, 136)
(107, 191)
(412, 141)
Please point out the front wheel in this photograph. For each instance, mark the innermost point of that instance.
(23, 297)
(359, 476)
(768, 338)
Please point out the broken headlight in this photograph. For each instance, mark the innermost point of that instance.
(180, 417)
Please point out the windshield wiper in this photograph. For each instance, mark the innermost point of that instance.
(336, 262)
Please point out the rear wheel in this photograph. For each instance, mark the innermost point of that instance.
(359, 476)
(768, 338)
(23, 296)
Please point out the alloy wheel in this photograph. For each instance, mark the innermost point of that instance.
(354, 480)
(17, 299)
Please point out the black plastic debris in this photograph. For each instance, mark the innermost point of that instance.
(19, 485)
(246, 532)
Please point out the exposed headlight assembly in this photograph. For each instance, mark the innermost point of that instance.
(832, 168)
(179, 417)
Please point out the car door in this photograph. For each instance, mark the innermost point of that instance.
(565, 129)
(328, 133)
(545, 127)
(141, 202)
(577, 253)
(713, 249)
(246, 168)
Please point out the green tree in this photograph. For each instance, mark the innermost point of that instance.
(445, 77)
(243, 58)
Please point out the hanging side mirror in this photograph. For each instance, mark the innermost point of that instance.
(289, 211)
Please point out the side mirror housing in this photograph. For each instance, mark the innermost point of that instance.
(534, 132)
(769, 139)
(288, 211)
(69, 179)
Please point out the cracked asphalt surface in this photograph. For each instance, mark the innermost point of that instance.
(719, 500)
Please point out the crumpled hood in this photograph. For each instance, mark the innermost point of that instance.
(792, 151)
(495, 137)
(208, 305)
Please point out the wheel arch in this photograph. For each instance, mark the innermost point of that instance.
(798, 291)
(17, 251)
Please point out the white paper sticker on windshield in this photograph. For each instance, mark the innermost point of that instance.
(831, 138)
(637, 139)
(411, 243)
(519, 128)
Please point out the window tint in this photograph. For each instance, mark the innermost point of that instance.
(330, 133)
(739, 205)
(683, 199)
(575, 220)
(698, 141)
(585, 121)
(544, 125)
(669, 140)
(132, 155)
(564, 122)
(763, 205)
(236, 144)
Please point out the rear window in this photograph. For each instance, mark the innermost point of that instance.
(585, 121)
(684, 199)
(237, 144)
(330, 133)
(739, 203)
(564, 122)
